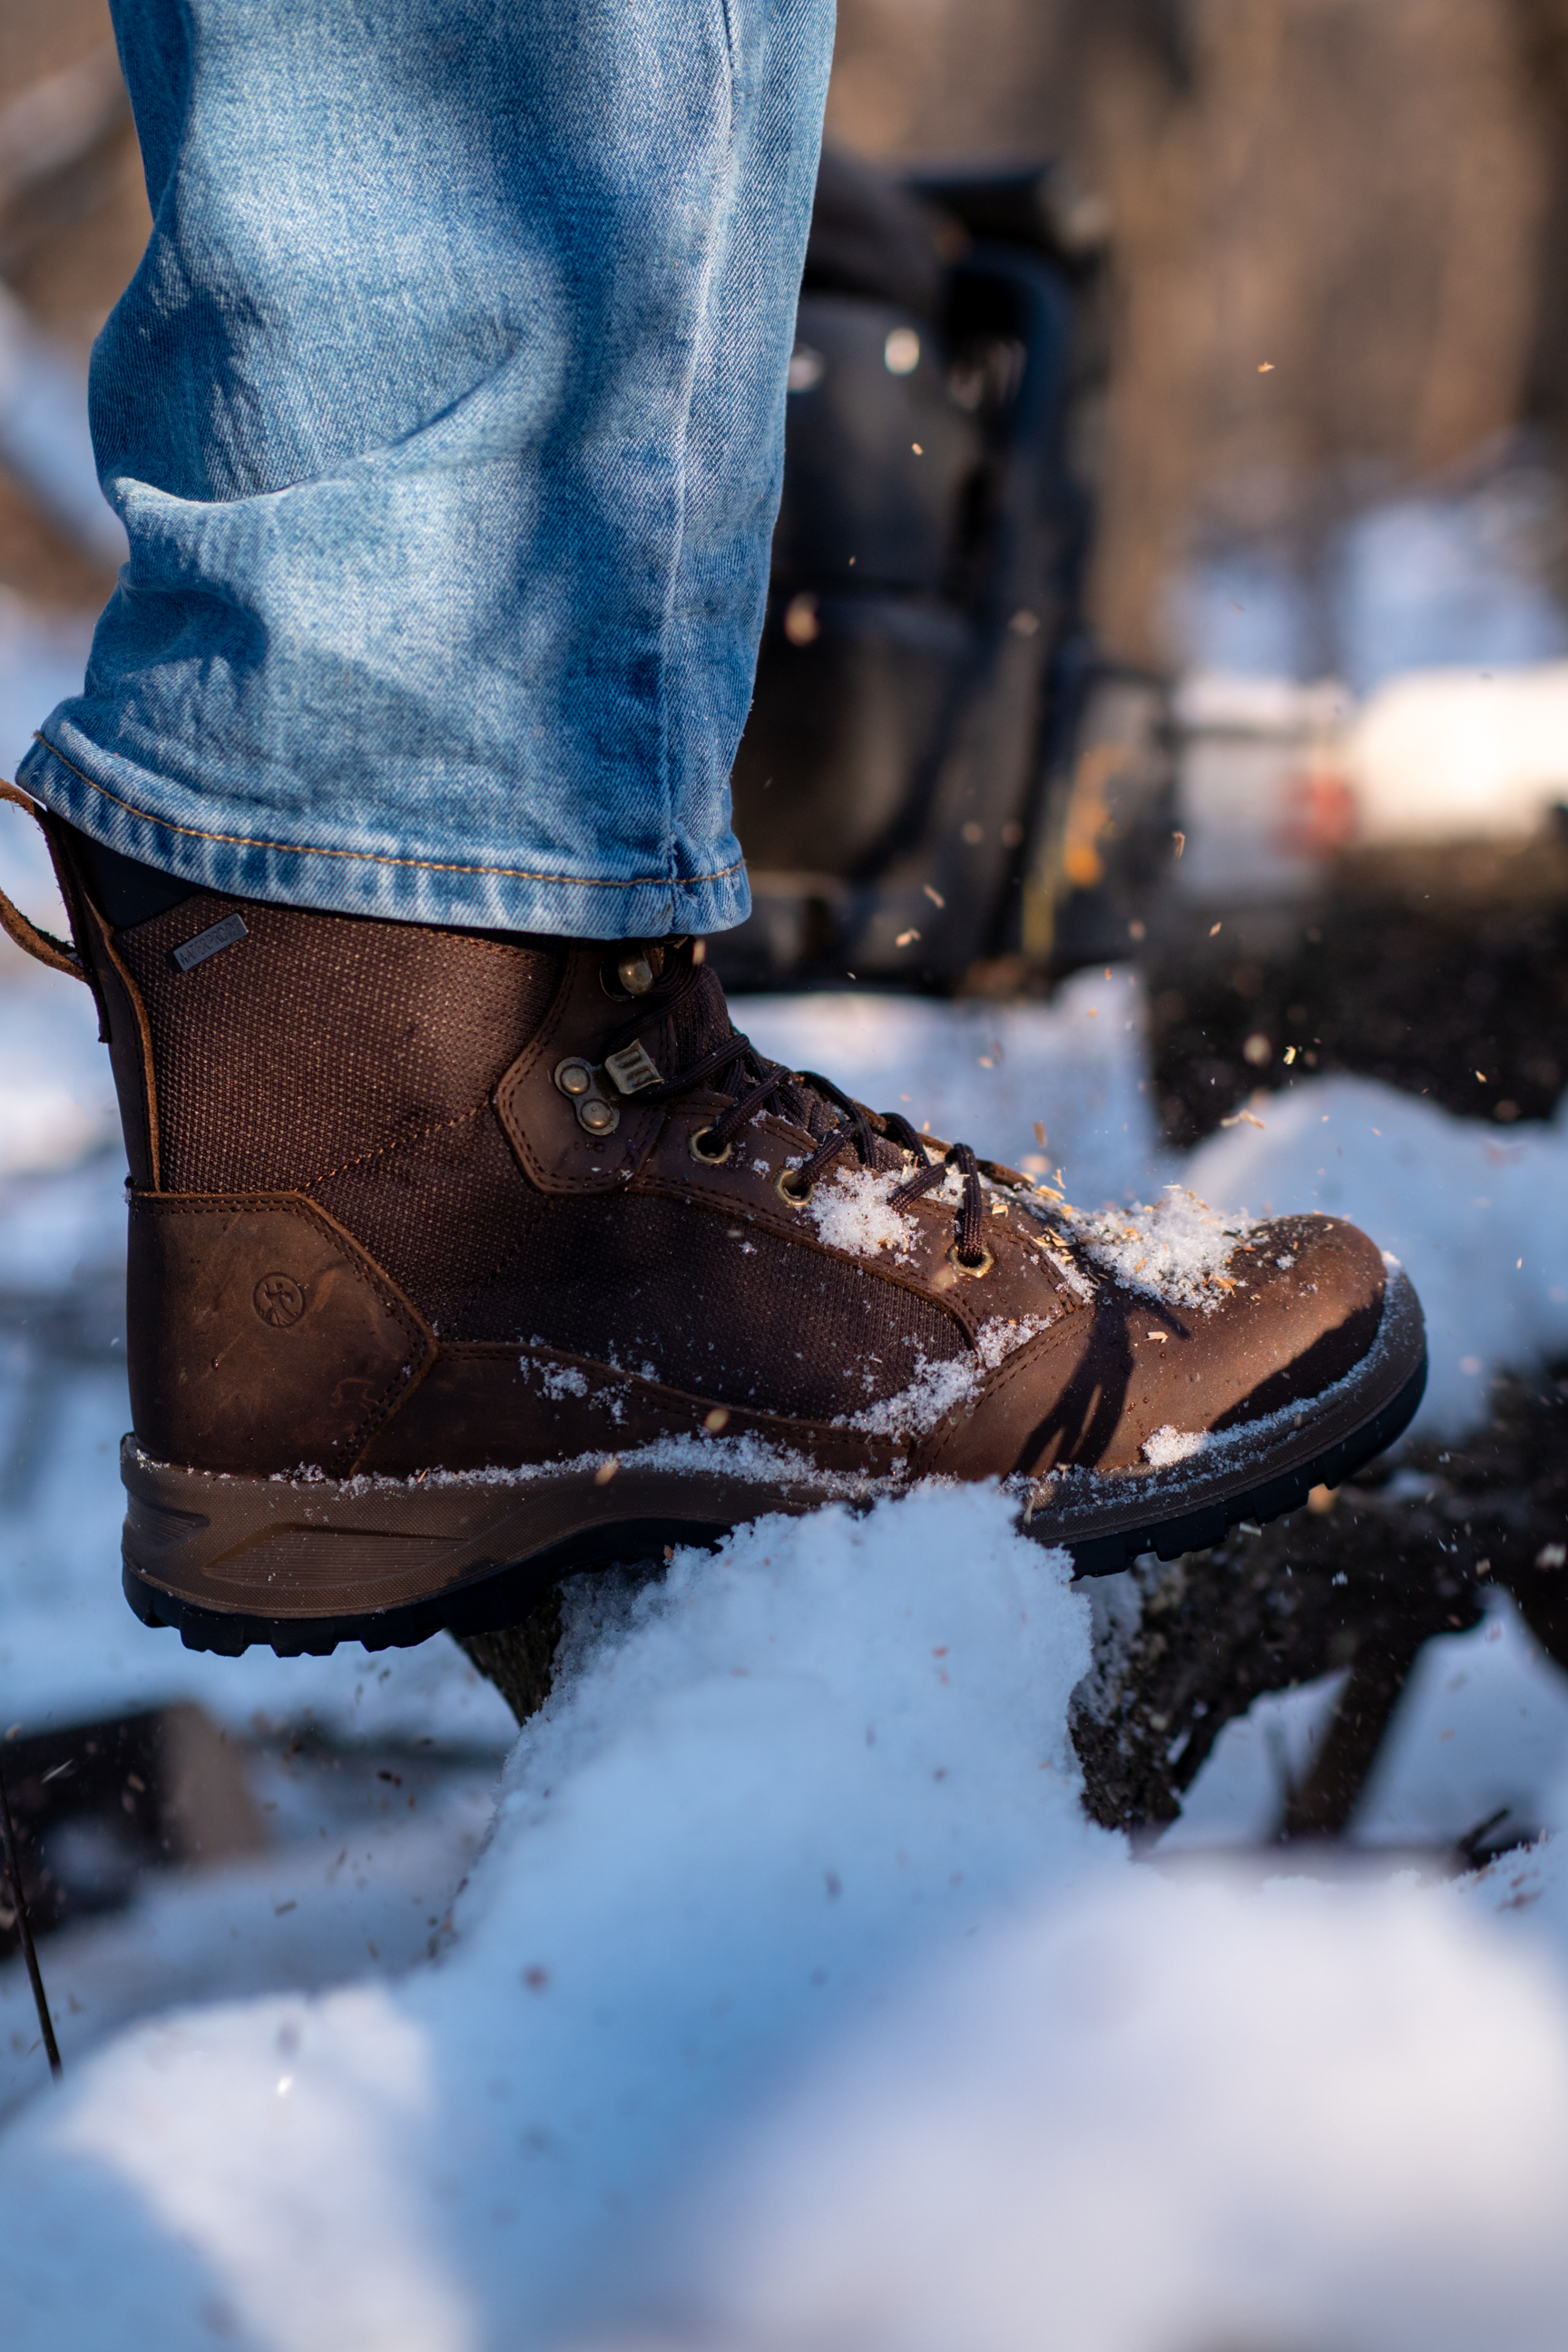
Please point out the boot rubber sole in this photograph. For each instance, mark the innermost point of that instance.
(300, 1564)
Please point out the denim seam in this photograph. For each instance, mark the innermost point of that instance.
(379, 857)
(667, 618)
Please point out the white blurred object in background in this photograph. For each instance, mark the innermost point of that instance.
(1263, 799)
(1276, 779)
(1443, 755)
(44, 434)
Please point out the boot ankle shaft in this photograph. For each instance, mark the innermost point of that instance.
(258, 1048)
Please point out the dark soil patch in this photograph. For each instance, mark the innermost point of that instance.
(1419, 970)
(1394, 1559)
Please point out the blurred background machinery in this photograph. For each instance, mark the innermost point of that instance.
(943, 770)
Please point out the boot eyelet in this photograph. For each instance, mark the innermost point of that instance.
(983, 1265)
(694, 1142)
(784, 1186)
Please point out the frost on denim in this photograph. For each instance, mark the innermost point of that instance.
(444, 414)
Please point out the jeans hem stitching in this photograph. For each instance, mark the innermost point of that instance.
(379, 857)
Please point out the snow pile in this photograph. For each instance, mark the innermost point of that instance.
(1169, 1445)
(1094, 2132)
(1463, 570)
(853, 1213)
(308, 1912)
(1459, 569)
(794, 2003)
(1476, 1215)
(1481, 1735)
(766, 1790)
(1176, 1251)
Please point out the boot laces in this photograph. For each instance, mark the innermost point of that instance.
(735, 1067)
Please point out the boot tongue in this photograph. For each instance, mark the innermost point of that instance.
(699, 1020)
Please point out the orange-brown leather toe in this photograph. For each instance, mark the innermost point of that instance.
(1093, 1390)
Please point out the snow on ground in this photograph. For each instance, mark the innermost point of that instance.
(1481, 1733)
(316, 1909)
(1462, 568)
(1477, 1216)
(795, 2003)
(792, 2001)
(1165, 2116)
(772, 1784)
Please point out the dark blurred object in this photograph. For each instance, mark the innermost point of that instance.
(940, 769)
(1363, 1584)
(98, 1804)
(1419, 968)
(521, 1659)
(1362, 1579)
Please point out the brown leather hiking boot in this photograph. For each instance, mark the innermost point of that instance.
(458, 1262)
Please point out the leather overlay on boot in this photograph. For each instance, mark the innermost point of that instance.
(409, 1199)
(1110, 1380)
(289, 1343)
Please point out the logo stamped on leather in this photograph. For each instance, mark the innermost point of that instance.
(278, 1300)
(210, 943)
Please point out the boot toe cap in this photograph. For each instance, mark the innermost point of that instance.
(1105, 1390)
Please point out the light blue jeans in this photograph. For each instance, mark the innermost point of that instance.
(444, 414)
